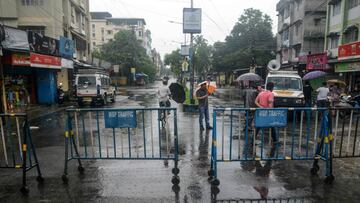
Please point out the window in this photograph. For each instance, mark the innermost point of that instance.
(286, 35)
(34, 29)
(102, 31)
(351, 35)
(297, 4)
(109, 32)
(297, 51)
(93, 34)
(297, 29)
(94, 43)
(353, 3)
(32, 2)
(336, 9)
(72, 15)
(334, 42)
(140, 33)
(102, 39)
(93, 26)
(285, 83)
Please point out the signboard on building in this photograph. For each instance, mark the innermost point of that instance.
(15, 39)
(120, 119)
(266, 118)
(116, 68)
(317, 62)
(42, 44)
(20, 59)
(192, 20)
(349, 51)
(44, 61)
(66, 47)
(66, 63)
(185, 66)
(185, 50)
(347, 67)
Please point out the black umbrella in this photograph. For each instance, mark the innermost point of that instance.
(177, 92)
(249, 77)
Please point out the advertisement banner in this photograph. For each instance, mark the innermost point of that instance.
(192, 20)
(43, 44)
(44, 61)
(66, 47)
(349, 51)
(15, 39)
(317, 62)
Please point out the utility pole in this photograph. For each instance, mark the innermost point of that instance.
(192, 101)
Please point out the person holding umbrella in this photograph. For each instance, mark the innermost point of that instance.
(202, 95)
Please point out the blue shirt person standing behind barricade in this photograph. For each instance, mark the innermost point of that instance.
(202, 96)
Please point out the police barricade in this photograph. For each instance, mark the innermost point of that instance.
(17, 150)
(345, 125)
(243, 134)
(121, 134)
(284, 200)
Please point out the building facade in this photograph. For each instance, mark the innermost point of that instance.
(57, 32)
(104, 27)
(301, 29)
(342, 42)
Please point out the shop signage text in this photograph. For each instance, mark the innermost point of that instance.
(347, 67)
(317, 62)
(349, 51)
(45, 61)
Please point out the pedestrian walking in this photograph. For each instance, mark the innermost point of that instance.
(322, 96)
(164, 94)
(265, 99)
(308, 94)
(202, 96)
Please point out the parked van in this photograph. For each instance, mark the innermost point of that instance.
(288, 88)
(94, 88)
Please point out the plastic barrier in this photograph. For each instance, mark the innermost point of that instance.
(122, 134)
(242, 135)
(17, 150)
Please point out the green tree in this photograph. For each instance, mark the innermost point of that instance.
(202, 56)
(174, 60)
(127, 51)
(250, 37)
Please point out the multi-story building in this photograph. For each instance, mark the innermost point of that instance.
(53, 18)
(49, 23)
(342, 41)
(104, 27)
(301, 28)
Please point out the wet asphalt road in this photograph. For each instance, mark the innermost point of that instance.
(140, 181)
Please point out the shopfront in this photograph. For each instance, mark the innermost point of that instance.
(66, 74)
(46, 72)
(349, 65)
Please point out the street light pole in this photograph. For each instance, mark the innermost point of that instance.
(192, 101)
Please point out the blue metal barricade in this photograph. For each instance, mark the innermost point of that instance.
(122, 134)
(17, 148)
(345, 125)
(245, 134)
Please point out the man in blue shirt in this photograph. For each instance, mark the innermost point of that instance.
(202, 96)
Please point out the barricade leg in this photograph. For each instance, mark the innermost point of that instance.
(319, 147)
(39, 178)
(24, 189)
(213, 171)
(175, 179)
(329, 151)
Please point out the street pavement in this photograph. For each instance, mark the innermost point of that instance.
(149, 181)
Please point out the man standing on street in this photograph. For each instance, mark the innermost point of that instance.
(265, 99)
(307, 94)
(322, 97)
(202, 96)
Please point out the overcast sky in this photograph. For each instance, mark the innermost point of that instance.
(218, 17)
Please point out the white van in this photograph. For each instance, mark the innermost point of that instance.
(94, 88)
(288, 88)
